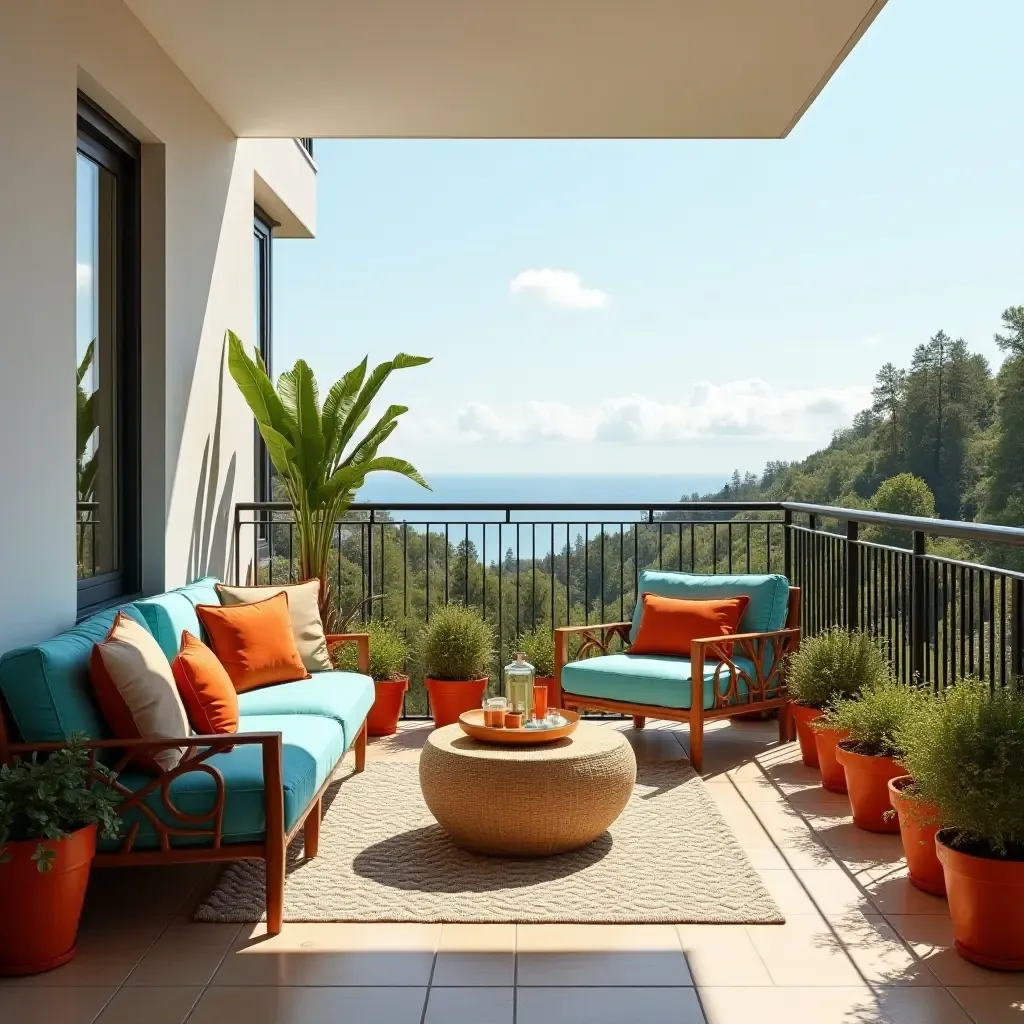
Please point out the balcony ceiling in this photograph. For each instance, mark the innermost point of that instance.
(517, 68)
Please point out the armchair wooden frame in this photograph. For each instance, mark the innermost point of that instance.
(766, 688)
(177, 824)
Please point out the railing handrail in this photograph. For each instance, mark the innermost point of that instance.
(983, 532)
(932, 527)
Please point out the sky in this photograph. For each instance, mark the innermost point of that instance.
(680, 306)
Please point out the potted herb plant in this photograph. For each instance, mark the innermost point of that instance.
(835, 664)
(456, 648)
(538, 645)
(50, 811)
(872, 722)
(966, 755)
(389, 652)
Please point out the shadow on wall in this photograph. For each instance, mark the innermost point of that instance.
(211, 548)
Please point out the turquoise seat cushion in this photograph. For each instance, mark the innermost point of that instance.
(345, 697)
(311, 748)
(657, 679)
(168, 614)
(46, 686)
(768, 593)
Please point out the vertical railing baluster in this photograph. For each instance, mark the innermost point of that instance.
(852, 554)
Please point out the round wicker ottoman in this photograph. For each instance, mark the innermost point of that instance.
(527, 801)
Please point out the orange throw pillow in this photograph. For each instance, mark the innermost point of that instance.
(205, 687)
(668, 625)
(254, 642)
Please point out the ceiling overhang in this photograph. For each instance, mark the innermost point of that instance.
(511, 69)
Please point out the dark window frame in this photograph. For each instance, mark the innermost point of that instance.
(109, 145)
(263, 237)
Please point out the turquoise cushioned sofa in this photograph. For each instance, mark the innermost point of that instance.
(235, 797)
(746, 676)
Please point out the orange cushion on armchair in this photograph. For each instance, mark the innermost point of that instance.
(254, 642)
(669, 625)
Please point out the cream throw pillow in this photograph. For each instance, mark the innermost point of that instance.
(304, 611)
(136, 691)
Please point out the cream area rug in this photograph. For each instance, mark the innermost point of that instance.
(670, 857)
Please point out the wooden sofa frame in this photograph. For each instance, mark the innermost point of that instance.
(209, 824)
(766, 690)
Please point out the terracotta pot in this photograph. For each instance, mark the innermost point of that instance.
(450, 697)
(986, 903)
(833, 778)
(802, 717)
(918, 835)
(387, 706)
(41, 911)
(867, 782)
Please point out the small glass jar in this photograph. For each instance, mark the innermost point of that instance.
(495, 709)
(519, 680)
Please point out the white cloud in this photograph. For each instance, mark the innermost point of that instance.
(751, 409)
(83, 279)
(872, 341)
(558, 287)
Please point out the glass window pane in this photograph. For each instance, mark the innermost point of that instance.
(96, 341)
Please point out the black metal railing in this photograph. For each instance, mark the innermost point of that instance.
(527, 566)
(306, 144)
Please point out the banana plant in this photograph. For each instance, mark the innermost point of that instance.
(315, 450)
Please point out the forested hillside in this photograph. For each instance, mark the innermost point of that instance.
(946, 420)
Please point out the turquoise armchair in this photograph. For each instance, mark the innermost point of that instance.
(736, 675)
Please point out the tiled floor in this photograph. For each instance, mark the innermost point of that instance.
(860, 945)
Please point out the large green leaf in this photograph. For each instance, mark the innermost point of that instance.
(87, 357)
(369, 391)
(336, 407)
(299, 397)
(257, 389)
(375, 435)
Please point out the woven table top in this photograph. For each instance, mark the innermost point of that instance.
(587, 741)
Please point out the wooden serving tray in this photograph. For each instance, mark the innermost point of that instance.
(472, 723)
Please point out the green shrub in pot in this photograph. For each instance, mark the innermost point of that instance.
(966, 755)
(456, 648)
(539, 647)
(872, 723)
(389, 651)
(834, 664)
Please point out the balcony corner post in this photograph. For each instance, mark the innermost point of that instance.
(787, 544)
(918, 636)
(852, 572)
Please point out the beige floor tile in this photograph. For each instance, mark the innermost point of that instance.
(803, 952)
(895, 895)
(788, 893)
(156, 1005)
(470, 1006)
(994, 1005)
(722, 954)
(598, 955)
(332, 954)
(91, 968)
(40, 1005)
(156, 891)
(856, 1004)
(857, 848)
(390, 1005)
(185, 954)
(834, 892)
(476, 954)
(607, 1006)
(878, 952)
(931, 938)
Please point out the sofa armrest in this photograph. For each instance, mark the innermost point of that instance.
(362, 645)
(768, 653)
(198, 750)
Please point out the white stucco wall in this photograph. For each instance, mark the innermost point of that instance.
(199, 184)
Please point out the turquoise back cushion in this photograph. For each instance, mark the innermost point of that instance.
(46, 686)
(769, 595)
(168, 614)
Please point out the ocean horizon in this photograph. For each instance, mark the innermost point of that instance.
(524, 488)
